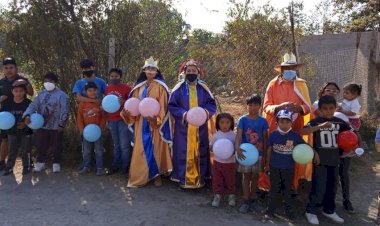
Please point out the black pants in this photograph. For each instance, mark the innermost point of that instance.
(344, 168)
(15, 143)
(46, 139)
(323, 189)
(281, 188)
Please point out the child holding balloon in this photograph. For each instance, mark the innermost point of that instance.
(224, 169)
(325, 130)
(53, 105)
(91, 114)
(252, 129)
(19, 136)
(280, 164)
(120, 133)
(350, 105)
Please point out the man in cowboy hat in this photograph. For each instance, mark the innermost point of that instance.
(288, 92)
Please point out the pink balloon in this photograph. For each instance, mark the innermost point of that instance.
(132, 105)
(149, 107)
(196, 116)
(223, 149)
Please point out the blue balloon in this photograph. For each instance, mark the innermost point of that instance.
(36, 121)
(7, 120)
(251, 155)
(92, 132)
(111, 103)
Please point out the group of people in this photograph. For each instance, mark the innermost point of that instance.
(145, 148)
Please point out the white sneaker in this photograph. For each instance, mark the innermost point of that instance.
(312, 218)
(56, 167)
(39, 167)
(334, 217)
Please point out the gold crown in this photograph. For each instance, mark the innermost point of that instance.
(150, 62)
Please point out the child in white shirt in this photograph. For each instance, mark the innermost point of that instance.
(350, 105)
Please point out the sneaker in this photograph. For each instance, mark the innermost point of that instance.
(2, 165)
(269, 216)
(244, 208)
(39, 167)
(312, 218)
(216, 200)
(25, 170)
(255, 206)
(84, 170)
(291, 216)
(334, 217)
(7, 171)
(231, 200)
(100, 172)
(111, 171)
(377, 222)
(56, 167)
(348, 207)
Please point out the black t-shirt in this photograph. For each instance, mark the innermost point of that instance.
(6, 85)
(17, 109)
(325, 139)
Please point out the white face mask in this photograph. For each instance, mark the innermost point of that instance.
(49, 86)
(284, 132)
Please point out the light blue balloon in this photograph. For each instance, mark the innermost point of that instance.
(36, 121)
(92, 132)
(7, 120)
(251, 154)
(111, 103)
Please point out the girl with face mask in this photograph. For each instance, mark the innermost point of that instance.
(191, 155)
(151, 151)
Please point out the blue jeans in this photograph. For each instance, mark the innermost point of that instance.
(121, 137)
(87, 148)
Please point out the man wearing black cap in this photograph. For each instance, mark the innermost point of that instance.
(10, 71)
(88, 76)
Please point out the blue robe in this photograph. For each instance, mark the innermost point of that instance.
(190, 168)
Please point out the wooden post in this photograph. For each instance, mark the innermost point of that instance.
(111, 53)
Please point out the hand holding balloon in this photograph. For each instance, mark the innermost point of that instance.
(240, 154)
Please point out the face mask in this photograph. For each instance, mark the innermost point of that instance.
(88, 73)
(49, 86)
(290, 75)
(191, 77)
(284, 132)
(115, 81)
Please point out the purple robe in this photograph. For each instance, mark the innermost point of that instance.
(178, 106)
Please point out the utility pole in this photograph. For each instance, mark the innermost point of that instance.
(291, 19)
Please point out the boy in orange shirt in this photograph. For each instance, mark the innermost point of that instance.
(91, 113)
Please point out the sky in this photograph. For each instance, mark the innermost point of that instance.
(211, 15)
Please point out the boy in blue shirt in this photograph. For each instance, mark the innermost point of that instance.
(252, 128)
(280, 164)
(89, 76)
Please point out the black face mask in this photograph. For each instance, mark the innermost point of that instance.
(88, 73)
(115, 81)
(191, 77)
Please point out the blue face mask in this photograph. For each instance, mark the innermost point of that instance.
(290, 75)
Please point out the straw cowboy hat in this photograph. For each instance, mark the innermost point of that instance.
(289, 61)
